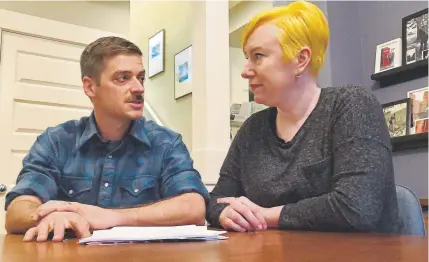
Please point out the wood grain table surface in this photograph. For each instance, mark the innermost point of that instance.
(271, 245)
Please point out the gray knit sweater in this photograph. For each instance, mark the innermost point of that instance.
(336, 174)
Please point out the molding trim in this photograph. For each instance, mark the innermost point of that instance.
(46, 28)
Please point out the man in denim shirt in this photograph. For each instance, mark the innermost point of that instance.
(112, 168)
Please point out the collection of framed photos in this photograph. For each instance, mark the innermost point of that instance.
(410, 48)
(406, 116)
(182, 64)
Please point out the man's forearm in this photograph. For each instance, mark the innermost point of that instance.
(21, 214)
(185, 209)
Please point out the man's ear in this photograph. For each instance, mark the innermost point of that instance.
(89, 87)
(303, 59)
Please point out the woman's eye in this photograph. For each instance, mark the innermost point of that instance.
(258, 55)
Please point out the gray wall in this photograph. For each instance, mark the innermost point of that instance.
(357, 27)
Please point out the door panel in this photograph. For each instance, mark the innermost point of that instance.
(40, 87)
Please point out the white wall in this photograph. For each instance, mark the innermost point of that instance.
(146, 19)
(239, 86)
(111, 16)
(241, 13)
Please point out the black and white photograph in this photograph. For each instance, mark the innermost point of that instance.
(415, 34)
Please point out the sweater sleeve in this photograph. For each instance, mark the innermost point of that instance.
(229, 183)
(362, 171)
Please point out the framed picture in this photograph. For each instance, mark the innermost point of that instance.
(156, 53)
(183, 73)
(388, 55)
(397, 116)
(419, 110)
(415, 37)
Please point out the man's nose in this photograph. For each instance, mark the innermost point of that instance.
(137, 86)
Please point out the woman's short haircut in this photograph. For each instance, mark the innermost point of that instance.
(301, 24)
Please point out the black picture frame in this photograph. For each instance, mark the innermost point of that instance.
(412, 50)
(162, 53)
(185, 51)
(389, 123)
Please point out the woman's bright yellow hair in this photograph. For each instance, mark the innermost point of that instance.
(301, 24)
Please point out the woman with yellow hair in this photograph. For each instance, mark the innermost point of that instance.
(317, 158)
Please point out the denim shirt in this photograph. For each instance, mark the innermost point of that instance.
(71, 162)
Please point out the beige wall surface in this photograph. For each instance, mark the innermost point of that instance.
(146, 19)
(111, 16)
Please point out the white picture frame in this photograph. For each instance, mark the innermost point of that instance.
(419, 108)
(183, 73)
(388, 55)
(156, 54)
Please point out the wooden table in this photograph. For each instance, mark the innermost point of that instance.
(244, 247)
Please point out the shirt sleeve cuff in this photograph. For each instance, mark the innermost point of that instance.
(185, 182)
(289, 219)
(36, 185)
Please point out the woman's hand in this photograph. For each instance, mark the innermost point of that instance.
(241, 215)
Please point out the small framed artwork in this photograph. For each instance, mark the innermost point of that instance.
(397, 116)
(156, 53)
(183, 73)
(415, 37)
(388, 55)
(419, 110)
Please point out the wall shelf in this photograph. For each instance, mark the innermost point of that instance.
(410, 142)
(402, 74)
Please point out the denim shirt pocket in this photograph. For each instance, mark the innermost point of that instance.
(138, 190)
(319, 176)
(76, 189)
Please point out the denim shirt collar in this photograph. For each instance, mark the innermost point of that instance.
(136, 130)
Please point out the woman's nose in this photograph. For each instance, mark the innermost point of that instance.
(247, 72)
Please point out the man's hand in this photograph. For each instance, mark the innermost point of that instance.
(242, 215)
(97, 217)
(58, 222)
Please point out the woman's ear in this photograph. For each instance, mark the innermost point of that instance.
(303, 59)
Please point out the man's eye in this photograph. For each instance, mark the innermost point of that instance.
(142, 78)
(122, 78)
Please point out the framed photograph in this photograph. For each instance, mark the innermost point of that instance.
(397, 116)
(419, 110)
(388, 55)
(415, 37)
(183, 73)
(156, 53)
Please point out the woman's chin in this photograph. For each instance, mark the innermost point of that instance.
(262, 100)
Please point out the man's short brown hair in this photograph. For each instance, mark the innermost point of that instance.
(94, 55)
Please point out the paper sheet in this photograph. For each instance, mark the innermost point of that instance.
(119, 235)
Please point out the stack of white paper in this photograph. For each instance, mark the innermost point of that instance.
(143, 234)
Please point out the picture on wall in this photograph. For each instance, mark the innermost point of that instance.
(397, 116)
(183, 73)
(156, 53)
(419, 110)
(415, 36)
(388, 55)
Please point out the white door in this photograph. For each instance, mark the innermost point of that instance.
(39, 87)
